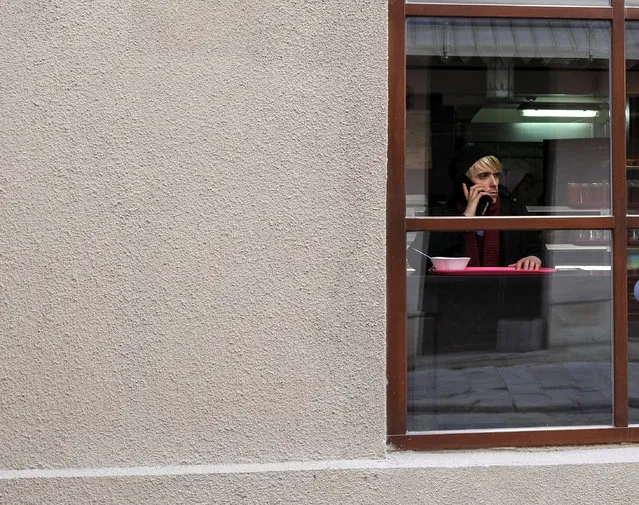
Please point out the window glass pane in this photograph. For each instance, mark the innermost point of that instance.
(632, 115)
(633, 326)
(492, 348)
(533, 93)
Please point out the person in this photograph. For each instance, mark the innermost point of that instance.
(475, 173)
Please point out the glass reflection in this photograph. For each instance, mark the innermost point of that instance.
(494, 347)
(632, 115)
(533, 93)
(633, 326)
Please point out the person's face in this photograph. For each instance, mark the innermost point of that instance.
(487, 178)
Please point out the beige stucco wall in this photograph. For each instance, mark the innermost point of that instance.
(192, 245)
(192, 262)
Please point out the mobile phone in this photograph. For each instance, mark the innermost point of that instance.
(484, 201)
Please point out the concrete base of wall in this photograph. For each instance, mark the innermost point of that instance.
(567, 476)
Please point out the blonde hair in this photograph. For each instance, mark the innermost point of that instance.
(489, 162)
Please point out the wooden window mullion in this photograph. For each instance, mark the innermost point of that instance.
(619, 208)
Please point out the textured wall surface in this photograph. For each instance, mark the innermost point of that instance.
(192, 260)
(192, 245)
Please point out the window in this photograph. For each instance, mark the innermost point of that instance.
(533, 92)
(492, 355)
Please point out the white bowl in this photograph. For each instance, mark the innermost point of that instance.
(445, 263)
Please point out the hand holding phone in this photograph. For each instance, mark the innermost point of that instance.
(477, 198)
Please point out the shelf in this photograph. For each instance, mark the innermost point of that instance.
(578, 247)
(564, 209)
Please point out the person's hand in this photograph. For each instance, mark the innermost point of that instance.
(473, 194)
(527, 263)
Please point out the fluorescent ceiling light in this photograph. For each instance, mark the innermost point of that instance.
(558, 110)
(559, 113)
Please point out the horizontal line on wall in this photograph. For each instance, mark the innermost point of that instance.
(394, 460)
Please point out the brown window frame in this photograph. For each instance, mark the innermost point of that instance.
(398, 224)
